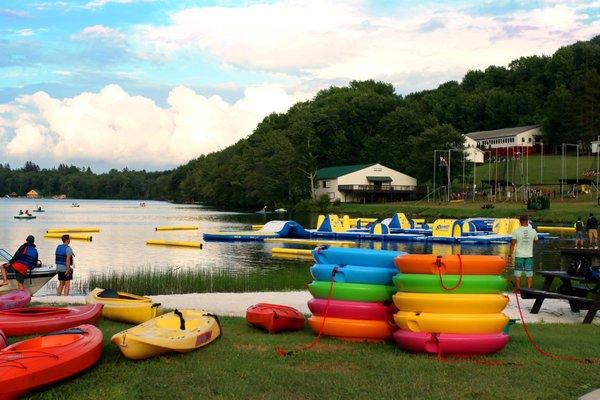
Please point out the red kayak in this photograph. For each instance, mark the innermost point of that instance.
(274, 317)
(29, 321)
(377, 311)
(41, 361)
(16, 299)
(3, 341)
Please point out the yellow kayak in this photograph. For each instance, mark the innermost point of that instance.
(178, 331)
(450, 323)
(124, 307)
(450, 303)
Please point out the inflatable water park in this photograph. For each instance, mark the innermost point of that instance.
(399, 228)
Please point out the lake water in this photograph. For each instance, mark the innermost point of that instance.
(125, 227)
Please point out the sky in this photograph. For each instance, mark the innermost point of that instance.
(151, 84)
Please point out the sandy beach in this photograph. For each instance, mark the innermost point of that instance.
(235, 304)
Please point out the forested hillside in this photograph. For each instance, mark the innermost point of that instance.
(362, 123)
(368, 122)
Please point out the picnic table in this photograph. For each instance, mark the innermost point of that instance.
(576, 295)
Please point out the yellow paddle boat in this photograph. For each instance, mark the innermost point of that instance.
(124, 307)
(178, 331)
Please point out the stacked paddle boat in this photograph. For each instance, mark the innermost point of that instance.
(451, 304)
(352, 293)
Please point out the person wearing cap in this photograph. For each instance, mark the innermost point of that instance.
(521, 244)
(64, 265)
(24, 260)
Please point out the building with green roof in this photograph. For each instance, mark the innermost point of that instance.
(364, 183)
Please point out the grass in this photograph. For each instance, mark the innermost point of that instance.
(565, 212)
(154, 281)
(243, 364)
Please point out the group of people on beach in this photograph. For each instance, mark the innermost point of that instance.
(26, 259)
(591, 228)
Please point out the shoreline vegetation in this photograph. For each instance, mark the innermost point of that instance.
(338, 368)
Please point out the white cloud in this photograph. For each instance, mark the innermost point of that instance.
(116, 128)
(101, 3)
(331, 40)
(25, 32)
(99, 32)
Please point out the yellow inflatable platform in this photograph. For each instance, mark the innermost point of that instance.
(124, 307)
(178, 331)
(444, 303)
(450, 323)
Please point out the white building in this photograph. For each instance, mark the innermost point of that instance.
(364, 183)
(473, 153)
(521, 136)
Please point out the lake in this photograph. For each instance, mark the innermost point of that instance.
(125, 227)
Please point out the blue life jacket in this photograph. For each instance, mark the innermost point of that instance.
(61, 254)
(28, 257)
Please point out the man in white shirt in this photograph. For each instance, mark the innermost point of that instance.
(522, 242)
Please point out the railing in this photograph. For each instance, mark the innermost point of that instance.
(374, 188)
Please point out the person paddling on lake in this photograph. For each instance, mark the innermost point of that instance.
(523, 239)
(25, 259)
(64, 265)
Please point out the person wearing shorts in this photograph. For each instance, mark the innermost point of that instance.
(64, 265)
(521, 245)
(579, 233)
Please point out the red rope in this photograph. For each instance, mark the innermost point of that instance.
(439, 264)
(282, 352)
(538, 348)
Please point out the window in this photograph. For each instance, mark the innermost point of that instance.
(324, 184)
(529, 140)
(377, 169)
(522, 140)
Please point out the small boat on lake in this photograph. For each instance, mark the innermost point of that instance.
(74, 204)
(25, 216)
(36, 278)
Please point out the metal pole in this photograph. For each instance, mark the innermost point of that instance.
(577, 177)
(490, 174)
(597, 165)
(449, 182)
(434, 163)
(562, 171)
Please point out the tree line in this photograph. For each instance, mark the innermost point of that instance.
(364, 122)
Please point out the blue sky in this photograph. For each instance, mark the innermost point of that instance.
(94, 81)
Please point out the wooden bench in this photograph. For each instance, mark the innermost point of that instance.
(576, 303)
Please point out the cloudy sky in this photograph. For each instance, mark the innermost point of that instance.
(154, 83)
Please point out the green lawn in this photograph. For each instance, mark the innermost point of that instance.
(565, 212)
(243, 364)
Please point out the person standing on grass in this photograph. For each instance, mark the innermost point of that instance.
(592, 228)
(521, 244)
(579, 233)
(64, 265)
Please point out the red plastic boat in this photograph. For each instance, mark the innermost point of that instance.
(3, 341)
(274, 317)
(38, 362)
(378, 311)
(16, 299)
(29, 321)
(451, 343)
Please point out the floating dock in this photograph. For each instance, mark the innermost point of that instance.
(176, 228)
(310, 242)
(71, 236)
(197, 245)
(69, 230)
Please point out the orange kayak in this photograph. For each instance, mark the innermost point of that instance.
(452, 264)
(41, 361)
(274, 317)
(352, 329)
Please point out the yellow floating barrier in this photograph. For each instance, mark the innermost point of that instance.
(310, 242)
(555, 229)
(173, 243)
(176, 228)
(73, 236)
(69, 230)
(292, 257)
(295, 252)
(256, 227)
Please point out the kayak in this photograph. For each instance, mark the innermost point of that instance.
(34, 363)
(178, 331)
(39, 210)
(447, 303)
(450, 323)
(451, 264)
(352, 329)
(3, 340)
(33, 320)
(378, 311)
(124, 307)
(471, 284)
(16, 299)
(353, 274)
(451, 343)
(25, 217)
(351, 291)
(275, 318)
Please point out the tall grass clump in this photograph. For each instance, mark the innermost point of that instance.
(155, 281)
